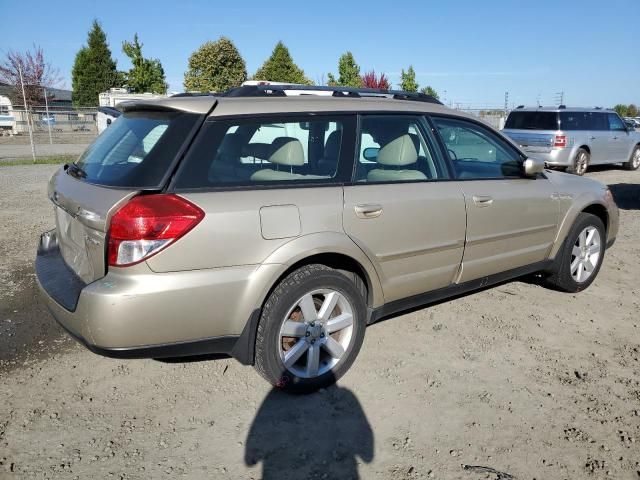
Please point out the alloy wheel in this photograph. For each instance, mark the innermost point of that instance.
(316, 333)
(635, 161)
(585, 254)
(581, 163)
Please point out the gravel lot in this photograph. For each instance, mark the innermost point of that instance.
(512, 382)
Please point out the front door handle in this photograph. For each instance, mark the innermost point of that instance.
(482, 200)
(615, 137)
(371, 210)
(593, 138)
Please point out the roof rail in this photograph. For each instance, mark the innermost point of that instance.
(280, 90)
(193, 94)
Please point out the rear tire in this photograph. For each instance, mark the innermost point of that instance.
(634, 160)
(580, 162)
(311, 329)
(579, 259)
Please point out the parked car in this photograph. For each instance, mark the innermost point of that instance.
(275, 229)
(574, 138)
(632, 122)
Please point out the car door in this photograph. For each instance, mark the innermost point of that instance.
(598, 137)
(618, 139)
(511, 220)
(402, 209)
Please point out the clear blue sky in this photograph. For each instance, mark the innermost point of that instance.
(475, 51)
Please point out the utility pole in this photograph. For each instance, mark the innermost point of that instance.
(26, 110)
(560, 98)
(506, 102)
(46, 103)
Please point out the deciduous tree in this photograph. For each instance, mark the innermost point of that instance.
(408, 80)
(215, 67)
(371, 80)
(37, 74)
(428, 90)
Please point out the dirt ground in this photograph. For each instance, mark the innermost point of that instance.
(515, 381)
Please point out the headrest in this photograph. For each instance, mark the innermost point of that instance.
(287, 151)
(401, 151)
(231, 145)
(332, 147)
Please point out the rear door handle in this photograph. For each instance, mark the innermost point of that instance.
(593, 138)
(482, 200)
(371, 210)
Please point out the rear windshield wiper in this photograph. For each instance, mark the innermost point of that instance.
(75, 170)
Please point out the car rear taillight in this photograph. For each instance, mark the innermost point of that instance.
(148, 224)
(560, 141)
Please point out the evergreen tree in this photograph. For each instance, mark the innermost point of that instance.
(94, 70)
(147, 74)
(279, 67)
(408, 80)
(215, 67)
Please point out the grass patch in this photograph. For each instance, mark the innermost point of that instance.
(54, 160)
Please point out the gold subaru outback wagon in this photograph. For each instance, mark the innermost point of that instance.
(274, 223)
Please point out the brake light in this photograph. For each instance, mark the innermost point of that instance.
(148, 224)
(560, 141)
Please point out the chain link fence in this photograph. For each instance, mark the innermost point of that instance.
(58, 131)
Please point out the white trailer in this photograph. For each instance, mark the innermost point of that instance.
(108, 101)
(7, 118)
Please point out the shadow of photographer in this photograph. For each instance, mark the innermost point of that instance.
(322, 435)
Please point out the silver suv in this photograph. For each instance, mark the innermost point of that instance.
(574, 138)
(275, 228)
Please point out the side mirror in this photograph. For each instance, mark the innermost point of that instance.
(371, 154)
(532, 167)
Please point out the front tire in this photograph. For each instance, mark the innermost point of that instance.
(311, 329)
(578, 261)
(580, 162)
(634, 160)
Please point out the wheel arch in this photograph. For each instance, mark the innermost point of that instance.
(593, 207)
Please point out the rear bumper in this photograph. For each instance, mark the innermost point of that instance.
(153, 315)
(557, 157)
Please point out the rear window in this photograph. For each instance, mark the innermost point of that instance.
(136, 150)
(532, 121)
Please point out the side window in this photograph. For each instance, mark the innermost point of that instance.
(250, 152)
(598, 121)
(615, 123)
(476, 152)
(393, 148)
(574, 121)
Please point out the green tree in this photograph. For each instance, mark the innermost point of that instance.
(428, 90)
(147, 74)
(348, 71)
(632, 110)
(331, 80)
(94, 70)
(408, 80)
(279, 67)
(215, 67)
(621, 109)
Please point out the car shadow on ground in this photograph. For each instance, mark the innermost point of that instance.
(626, 195)
(321, 435)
